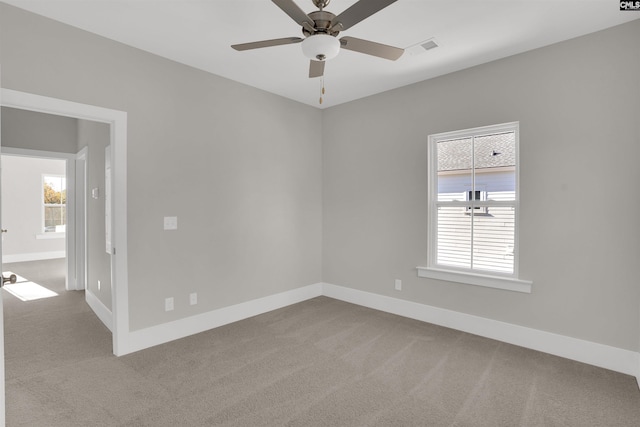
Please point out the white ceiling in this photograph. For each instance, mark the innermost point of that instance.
(199, 33)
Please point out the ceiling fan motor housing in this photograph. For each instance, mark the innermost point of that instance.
(321, 23)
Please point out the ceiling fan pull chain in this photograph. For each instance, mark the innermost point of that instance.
(322, 90)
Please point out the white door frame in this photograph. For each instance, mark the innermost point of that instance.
(118, 122)
(2, 376)
(81, 218)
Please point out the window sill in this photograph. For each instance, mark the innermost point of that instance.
(51, 235)
(488, 281)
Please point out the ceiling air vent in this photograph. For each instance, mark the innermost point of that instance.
(421, 47)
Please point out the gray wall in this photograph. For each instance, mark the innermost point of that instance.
(22, 213)
(577, 103)
(38, 131)
(96, 137)
(236, 165)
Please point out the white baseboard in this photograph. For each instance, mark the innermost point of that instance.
(155, 335)
(101, 310)
(604, 356)
(33, 256)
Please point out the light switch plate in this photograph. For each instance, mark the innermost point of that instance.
(170, 222)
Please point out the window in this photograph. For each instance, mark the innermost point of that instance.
(54, 191)
(473, 203)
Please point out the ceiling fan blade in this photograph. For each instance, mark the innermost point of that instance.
(359, 12)
(292, 9)
(371, 48)
(316, 69)
(266, 43)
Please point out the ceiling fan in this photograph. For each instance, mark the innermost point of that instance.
(321, 28)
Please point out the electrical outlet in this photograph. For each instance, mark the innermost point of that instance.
(98, 284)
(170, 222)
(168, 304)
(398, 285)
(193, 298)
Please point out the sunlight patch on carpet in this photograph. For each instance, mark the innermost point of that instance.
(26, 290)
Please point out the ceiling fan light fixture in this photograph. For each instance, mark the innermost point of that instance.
(320, 47)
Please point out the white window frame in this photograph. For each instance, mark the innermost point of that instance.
(51, 234)
(433, 270)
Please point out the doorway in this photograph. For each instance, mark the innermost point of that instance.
(118, 318)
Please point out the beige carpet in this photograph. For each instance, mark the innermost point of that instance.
(318, 363)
